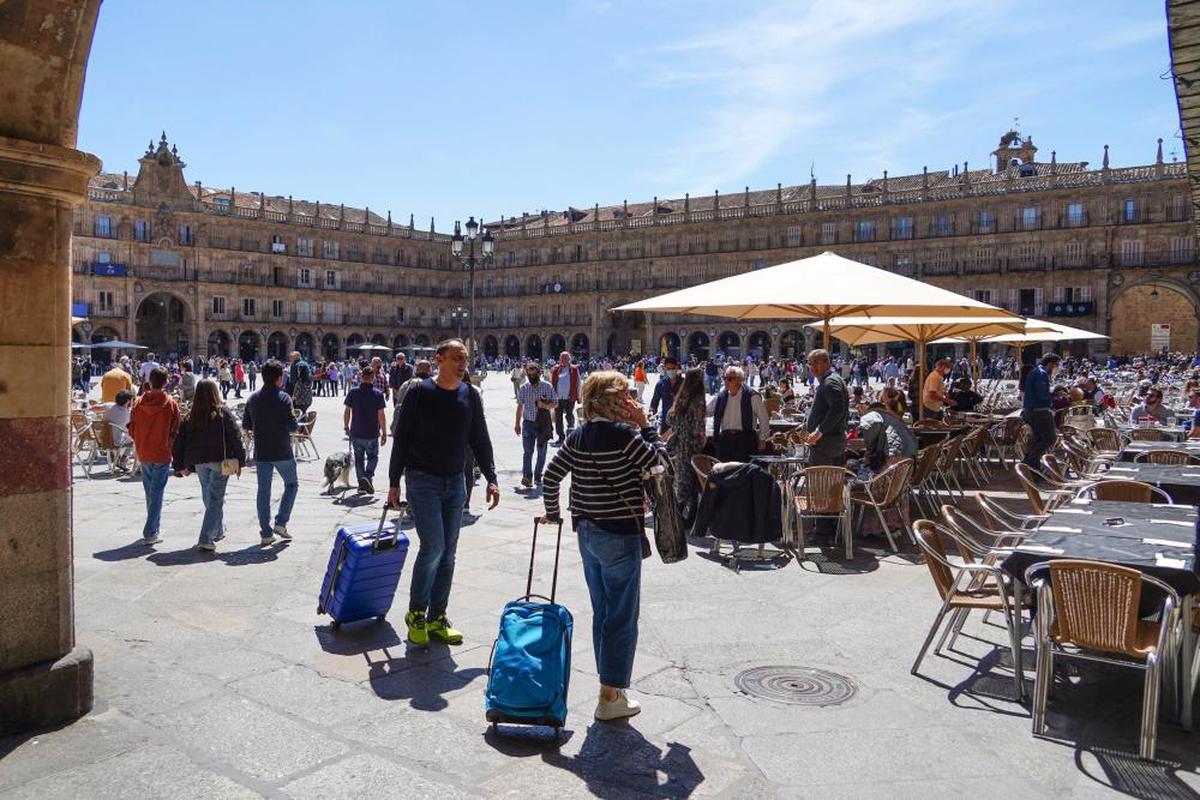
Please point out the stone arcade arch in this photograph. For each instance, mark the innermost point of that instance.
(249, 345)
(1134, 308)
(331, 347)
(533, 346)
(730, 344)
(353, 342)
(697, 346)
(399, 342)
(277, 346)
(512, 346)
(491, 347)
(219, 344)
(791, 344)
(556, 344)
(579, 345)
(759, 345)
(668, 345)
(161, 323)
(305, 346)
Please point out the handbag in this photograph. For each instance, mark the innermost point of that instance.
(229, 466)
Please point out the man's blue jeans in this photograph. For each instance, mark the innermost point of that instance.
(365, 450)
(436, 503)
(266, 470)
(529, 440)
(612, 565)
(154, 482)
(212, 492)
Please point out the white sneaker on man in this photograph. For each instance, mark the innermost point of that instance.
(267, 541)
(619, 707)
(281, 532)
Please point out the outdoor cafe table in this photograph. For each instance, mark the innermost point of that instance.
(1171, 433)
(1156, 539)
(1132, 450)
(1181, 482)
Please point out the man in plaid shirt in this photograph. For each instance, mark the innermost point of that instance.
(381, 379)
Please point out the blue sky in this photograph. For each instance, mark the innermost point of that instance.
(449, 109)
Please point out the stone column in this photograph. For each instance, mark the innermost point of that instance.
(45, 678)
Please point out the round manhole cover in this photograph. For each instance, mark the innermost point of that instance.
(803, 686)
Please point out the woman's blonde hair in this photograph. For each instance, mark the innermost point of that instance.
(603, 395)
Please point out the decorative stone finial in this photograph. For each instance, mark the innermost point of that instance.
(1105, 163)
(1158, 159)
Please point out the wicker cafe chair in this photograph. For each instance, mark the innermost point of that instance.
(882, 493)
(1173, 458)
(924, 491)
(302, 438)
(1059, 475)
(83, 441)
(824, 493)
(1124, 491)
(981, 540)
(1092, 606)
(1000, 518)
(1146, 435)
(963, 588)
(117, 455)
(1040, 503)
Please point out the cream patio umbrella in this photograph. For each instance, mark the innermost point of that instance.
(1036, 331)
(821, 287)
(857, 331)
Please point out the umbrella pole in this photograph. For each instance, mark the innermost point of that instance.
(920, 380)
(974, 363)
(826, 334)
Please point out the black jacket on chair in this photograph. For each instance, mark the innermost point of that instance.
(742, 503)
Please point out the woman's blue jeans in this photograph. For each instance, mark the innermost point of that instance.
(437, 507)
(612, 565)
(212, 492)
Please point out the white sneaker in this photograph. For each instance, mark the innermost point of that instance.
(268, 540)
(153, 540)
(617, 708)
(207, 546)
(281, 532)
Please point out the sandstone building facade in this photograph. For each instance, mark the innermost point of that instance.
(191, 268)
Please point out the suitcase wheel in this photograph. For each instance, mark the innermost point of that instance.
(381, 617)
(333, 626)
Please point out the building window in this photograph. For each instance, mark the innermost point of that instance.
(1029, 218)
(104, 227)
(104, 301)
(399, 313)
(141, 230)
(330, 313)
(277, 309)
(1073, 294)
(983, 295)
(1073, 254)
(331, 279)
(828, 233)
(942, 226)
(902, 228)
(903, 263)
(1181, 249)
(1131, 253)
(1129, 211)
(304, 312)
(185, 235)
(864, 231)
(331, 248)
(218, 305)
(222, 203)
(277, 245)
(1074, 215)
(794, 236)
(304, 246)
(1025, 255)
(103, 257)
(248, 307)
(1179, 208)
(987, 222)
(941, 263)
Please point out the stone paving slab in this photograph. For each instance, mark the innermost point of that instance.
(215, 677)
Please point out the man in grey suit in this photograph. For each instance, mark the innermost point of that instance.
(827, 417)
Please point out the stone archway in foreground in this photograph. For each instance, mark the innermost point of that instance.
(45, 678)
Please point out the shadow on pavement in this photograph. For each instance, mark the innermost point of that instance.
(616, 761)
(254, 554)
(425, 689)
(357, 638)
(1146, 780)
(124, 552)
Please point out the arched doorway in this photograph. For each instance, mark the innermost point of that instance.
(556, 344)
(161, 322)
(99, 336)
(353, 342)
(277, 346)
(331, 347)
(305, 346)
(421, 340)
(791, 344)
(379, 338)
(1149, 316)
(491, 347)
(533, 347)
(579, 345)
(613, 346)
(668, 345)
(218, 344)
(760, 345)
(249, 346)
(697, 347)
(399, 342)
(730, 344)
(512, 347)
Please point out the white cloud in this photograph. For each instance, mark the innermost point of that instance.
(783, 72)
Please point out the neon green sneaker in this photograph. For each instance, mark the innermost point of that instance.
(418, 633)
(440, 629)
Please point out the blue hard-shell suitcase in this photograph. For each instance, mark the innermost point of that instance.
(530, 667)
(364, 569)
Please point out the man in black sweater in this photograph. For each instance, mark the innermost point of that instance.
(438, 420)
(269, 417)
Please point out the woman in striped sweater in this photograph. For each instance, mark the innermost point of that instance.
(606, 457)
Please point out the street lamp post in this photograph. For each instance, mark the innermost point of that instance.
(456, 248)
(458, 315)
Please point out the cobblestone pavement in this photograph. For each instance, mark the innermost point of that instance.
(216, 678)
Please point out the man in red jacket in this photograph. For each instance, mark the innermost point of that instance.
(153, 423)
(564, 377)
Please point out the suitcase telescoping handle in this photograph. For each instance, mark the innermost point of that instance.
(533, 552)
(380, 542)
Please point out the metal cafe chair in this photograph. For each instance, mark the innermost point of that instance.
(823, 492)
(963, 587)
(1172, 458)
(1146, 435)
(1124, 491)
(1042, 503)
(882, 493)
(1000, 518)
(1090, 610)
